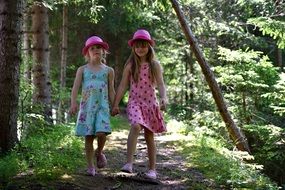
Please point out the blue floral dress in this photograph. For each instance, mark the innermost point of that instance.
(94, 113)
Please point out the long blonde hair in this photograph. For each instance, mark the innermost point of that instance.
(134, 60)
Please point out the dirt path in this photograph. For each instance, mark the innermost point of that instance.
(173, 172)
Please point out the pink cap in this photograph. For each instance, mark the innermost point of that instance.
(141, 34)
(94, 40)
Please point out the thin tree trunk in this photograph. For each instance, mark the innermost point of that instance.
(10, 27)
(189, 95)
(26, 45)
(234, 132)
(191, 85)
(279, 59)
(279, 11)
(187, 74)
(118, 68)
(42, 94)
(63, 64)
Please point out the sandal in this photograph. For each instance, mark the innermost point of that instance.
(91, 171)
(151, 174)
(128, 168)
(101, 160)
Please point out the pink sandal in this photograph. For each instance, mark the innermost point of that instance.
(151, 174)
(91, 171)
(101, 160)
(128, 168)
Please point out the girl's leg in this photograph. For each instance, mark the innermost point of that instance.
(132, 142)
(89, 150)
(100, 157)
(101, 139)
(151, 148)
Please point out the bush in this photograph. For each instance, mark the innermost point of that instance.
(267, 143)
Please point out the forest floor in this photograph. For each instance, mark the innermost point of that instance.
(173, 171)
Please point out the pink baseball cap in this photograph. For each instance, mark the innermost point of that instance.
(141, 34)
(94, 40)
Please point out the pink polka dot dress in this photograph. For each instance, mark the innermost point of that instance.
(143, 107)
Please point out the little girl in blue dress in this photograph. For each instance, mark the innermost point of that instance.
(97, 80)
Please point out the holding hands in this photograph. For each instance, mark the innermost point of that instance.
(115, 111)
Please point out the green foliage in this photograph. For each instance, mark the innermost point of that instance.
(271, 27)
(222, 22)
(245, 76)
(29, 113)
(119, 123)
(277, 97)
(50, 152)
(180, 112)
(225, 167)
(267, 143)
(250, 69)
(209, 123)
(8, 167)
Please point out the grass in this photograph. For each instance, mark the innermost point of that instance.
(48, 153)
(224, 166)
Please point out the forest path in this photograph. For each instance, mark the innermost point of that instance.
(173, 170)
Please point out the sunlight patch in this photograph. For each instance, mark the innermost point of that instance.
(66, 176)
(175, 126)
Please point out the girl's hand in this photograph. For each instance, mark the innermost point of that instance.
(115, 111)
(163, 103)
(73, 109)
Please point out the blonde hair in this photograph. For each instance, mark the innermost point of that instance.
(134, 59)
(103, 58)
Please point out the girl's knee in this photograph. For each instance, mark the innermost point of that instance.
(89, 138)
(148, 132)
(136, 127)
(100, 135)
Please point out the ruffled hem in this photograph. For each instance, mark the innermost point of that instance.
(148, 116)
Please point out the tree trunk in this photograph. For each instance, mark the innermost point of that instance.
(191, 67)
(118, 68)
(41, 94)
(278, 11)
(187, 74)
(234, 132)
(279, 59)
(189, 95)
(10, 27)
(63, 65)
(26, 45)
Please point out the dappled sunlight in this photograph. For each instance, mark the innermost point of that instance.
(174, 126)
(174, 137)
(66, 176)
(118, 139)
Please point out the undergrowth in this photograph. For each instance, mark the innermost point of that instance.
(48, 153)
(230, 169)
(55, 151)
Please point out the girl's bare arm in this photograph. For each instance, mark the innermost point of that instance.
(124, 84)
(75, 88)
(111, 87)
(161, 86)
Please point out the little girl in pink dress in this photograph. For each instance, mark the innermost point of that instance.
(142, 73)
